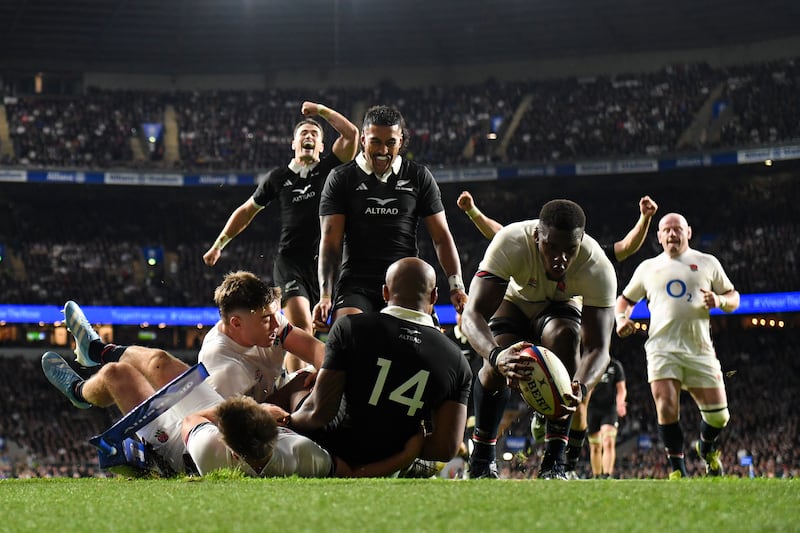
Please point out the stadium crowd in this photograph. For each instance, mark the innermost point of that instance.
(626, 115)
(90, 243)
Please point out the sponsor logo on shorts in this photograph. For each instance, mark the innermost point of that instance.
(291, 286)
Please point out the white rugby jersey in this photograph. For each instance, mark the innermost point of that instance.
(514, 256)
(249, 370)
(294, 454)
(679, 321)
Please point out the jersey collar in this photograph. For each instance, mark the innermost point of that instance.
(303, 170)
(410, 315)
(362, 162)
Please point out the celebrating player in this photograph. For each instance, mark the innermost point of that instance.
(297, 187)
(370, 208)
(681, 285)
(527, 288)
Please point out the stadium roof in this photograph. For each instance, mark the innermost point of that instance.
(182, 36)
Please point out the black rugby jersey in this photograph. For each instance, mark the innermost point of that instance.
(299, 205)
(381, 218)
(605, 392)
(397, 372)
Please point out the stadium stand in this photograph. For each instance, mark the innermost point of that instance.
(747, 215)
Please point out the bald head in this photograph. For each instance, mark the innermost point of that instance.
(674, 234)
(410, 283)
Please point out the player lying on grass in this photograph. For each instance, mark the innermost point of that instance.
(214, 432)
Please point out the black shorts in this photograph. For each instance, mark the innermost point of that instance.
(367, 301)
(358, 297)
(597, 416)
(531, 330)
(296, 278)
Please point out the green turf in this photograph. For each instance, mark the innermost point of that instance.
(365, 506)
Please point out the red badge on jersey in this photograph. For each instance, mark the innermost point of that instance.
(561, 285)
(693, 267)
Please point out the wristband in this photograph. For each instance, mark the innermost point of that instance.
(221, 241)
(323, 111)
(472, 212)
(456, 283)
(723, 302)
(493, 353)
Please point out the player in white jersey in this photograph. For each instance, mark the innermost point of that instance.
(681, 285)
(543, 281)
(244, 352)
(181, 433)
(617, 252)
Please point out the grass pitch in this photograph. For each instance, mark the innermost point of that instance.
(321, 505)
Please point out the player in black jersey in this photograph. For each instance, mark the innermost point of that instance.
(606, 406)
(297, 187)
(369, 213)
(394, 370)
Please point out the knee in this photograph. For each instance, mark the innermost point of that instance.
(716, 417)
(115, 372)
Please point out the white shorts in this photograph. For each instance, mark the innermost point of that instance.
(693, 371)
(164, 433)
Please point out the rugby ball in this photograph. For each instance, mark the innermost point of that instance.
(549, 382)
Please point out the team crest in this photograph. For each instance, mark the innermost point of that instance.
(693, 268)
(162, 436)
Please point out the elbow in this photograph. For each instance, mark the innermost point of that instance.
(441, 451)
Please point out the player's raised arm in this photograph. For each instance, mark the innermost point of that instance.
(346, 145)
(634, 239)
(487, 226)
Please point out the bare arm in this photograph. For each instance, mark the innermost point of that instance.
(485, 298)
(448, 432)
(322, 404)
(487, 226)
(237, 222)
(727, 302)
(631, 243)
(622, 393)
(622, 313)
(193, 420)
(447, 253)
(384, 467)
(346, 145)
(330, 264)
(596, 326)
(305, 346)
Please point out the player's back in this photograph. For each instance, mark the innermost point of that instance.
(397, 372)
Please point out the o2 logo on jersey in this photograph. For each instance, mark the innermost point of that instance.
(676, 288)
